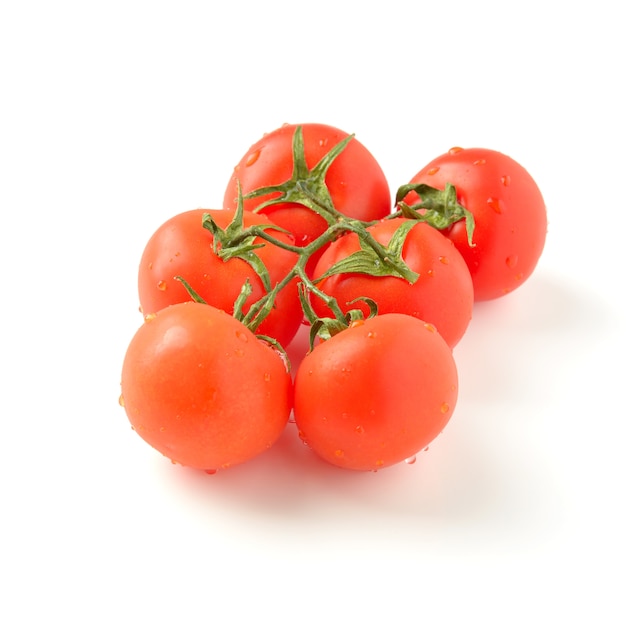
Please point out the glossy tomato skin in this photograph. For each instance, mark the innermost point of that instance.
(201, 389)
(356, 182)
(182, 247)
(509, 212)
(375, 394)
(442, 295)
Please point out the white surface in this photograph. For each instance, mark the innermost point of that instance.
(116, 116)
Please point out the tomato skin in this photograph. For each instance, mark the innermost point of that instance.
(355, 180)
(200, 388)
(375, 394)
(182, 247)
(442, 295)
(509, 213)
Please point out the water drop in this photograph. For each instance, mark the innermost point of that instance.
(210, 472)
(253, 158)
(455, 150)
(430, 273)
(511, 261)
(359, 429)
(410, 460)
(267, 377)
(339, 453)
(444, 260)
(432, 171)
(161, 285)
(494, 205)
(242, 336)
(445, 407)
(480, 162)
(371, 334)
(379, 463)
(506, 180)
(149, 317)
(121, 400)
(430, 327)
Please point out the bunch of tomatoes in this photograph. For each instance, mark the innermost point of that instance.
(309, 234)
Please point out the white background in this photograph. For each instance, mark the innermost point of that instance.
(117, 115)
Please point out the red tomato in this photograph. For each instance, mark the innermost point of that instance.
(377, 393)
(355, 180)
(442, 295)
(183, 247)
(201, 389)
(509, 213)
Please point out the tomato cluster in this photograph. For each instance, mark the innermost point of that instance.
(309, 234)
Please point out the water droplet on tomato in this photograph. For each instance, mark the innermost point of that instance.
(432, 171)
(149, 317)
(371, 334)
(121, 400)
(445, 407)
(241, 336)
(411, 460)
(356, 323)
(303, 438)
(323, 142)
(444, 260)
(430, 327)
(267, 377)
(511, 261)
(455, 150)
(210, 472)
(494, 205)
(480, 162)
(339, 453)
(359, 429)
(506, 180)
(430, 273)
(253, 158)
(379, 463)
(161, 285)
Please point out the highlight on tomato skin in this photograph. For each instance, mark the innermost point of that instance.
(202, 389)
(377, 393)
(509, 212)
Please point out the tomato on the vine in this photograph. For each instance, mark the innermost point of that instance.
(202, 389)
(442, 294)
(352, 180)
(183, 247)
(376, 393)
(509, 214)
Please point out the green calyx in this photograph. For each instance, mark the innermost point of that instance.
(375, 259)
(237, 241)
(306, 186)
(437, 207)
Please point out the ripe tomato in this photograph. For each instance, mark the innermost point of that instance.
(442, 295)
(200, 388)
(376, 393)
(509, 214)
(183, 247)
(354, 180)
